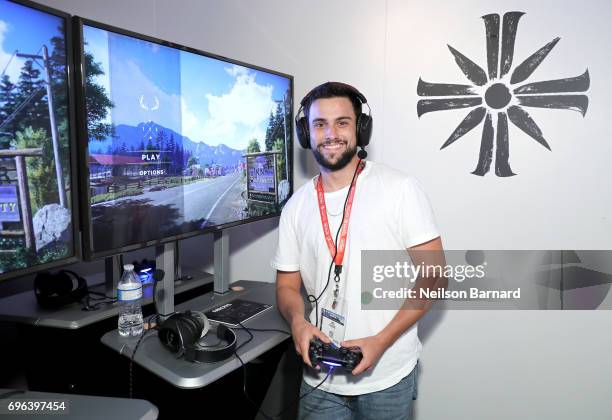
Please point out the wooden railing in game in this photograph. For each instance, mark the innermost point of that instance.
(24, 194)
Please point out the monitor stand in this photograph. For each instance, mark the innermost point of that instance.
(166, 258)
(221, 262)
(112, 274)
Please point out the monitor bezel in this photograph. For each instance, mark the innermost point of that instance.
(89, 254)
(72, 141)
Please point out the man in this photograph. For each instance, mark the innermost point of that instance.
(388, 211)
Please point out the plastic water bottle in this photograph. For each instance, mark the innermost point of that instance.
(129, 296)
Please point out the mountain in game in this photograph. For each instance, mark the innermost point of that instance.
(128, 138)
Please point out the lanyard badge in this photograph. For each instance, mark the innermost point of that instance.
(333, 322)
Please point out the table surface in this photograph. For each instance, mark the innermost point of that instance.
(23, 308)
(152, 356)
(79, 406)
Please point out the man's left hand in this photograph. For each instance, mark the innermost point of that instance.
(371, 347)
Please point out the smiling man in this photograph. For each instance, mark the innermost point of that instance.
(349, 207)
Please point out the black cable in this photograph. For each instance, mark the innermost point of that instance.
(269, 330)
(244, 391)
(103, 295)
(246, 342)
(296, 400)
(156, 327)
(316, 299)
(136, 348)
(102, 300)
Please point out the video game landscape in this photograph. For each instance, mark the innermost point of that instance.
(179, 141)
(35, 179)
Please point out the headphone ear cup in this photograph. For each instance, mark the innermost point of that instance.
(364, 130)
(65, 283)
(178, 332)
(169, 333)
(192, 329)
(43, 283)
(301, 129)
(78, 285)
(203, 324)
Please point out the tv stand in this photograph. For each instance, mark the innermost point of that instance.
(221, 262)
(112, 274)
(166, 259)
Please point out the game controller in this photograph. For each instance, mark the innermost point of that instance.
(324, 354)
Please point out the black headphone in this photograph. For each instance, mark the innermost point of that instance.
(54, 291)
(364, 121)
(181, 334)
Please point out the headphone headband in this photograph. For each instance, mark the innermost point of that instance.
(346, 86)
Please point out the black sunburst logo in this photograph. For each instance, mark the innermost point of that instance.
(502, 93)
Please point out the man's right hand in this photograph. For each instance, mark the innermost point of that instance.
(303, 331)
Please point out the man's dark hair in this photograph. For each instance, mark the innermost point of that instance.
(332, 90)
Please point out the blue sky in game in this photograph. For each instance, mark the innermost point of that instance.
(205, 99)
(26, 30)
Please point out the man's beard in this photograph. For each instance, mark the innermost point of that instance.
(345, 158)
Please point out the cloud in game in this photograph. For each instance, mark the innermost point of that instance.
(236, 70)
(190, 124)
(235, 117)
(247, 104)
(14, 68)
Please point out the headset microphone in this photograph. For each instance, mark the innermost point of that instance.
(362, 154)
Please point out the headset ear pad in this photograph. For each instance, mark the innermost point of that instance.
(65, 283)
(202, 324)
(43, 283)
(364, 130)
(173, 333)
(75, 285)
(301, 129)
(181, 330)
(222, 331)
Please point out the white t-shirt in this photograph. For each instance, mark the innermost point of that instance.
(390, 212)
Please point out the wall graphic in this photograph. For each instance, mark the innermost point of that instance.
(499, 94)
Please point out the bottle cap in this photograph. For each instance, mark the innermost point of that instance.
(128, 267)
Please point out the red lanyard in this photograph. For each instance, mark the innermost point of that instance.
(345, 223)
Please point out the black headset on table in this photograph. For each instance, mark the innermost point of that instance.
(56, 290)
(181, 334)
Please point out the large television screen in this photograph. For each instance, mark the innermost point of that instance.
(37, 222)
(178, 142)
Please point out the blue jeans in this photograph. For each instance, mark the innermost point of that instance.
(393, 403)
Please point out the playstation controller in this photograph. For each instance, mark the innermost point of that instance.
(324, 354)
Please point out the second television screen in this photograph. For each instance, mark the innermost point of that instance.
(179, 141)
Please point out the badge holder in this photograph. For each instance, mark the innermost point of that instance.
(333, 317)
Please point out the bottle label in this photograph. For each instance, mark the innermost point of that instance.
(126, 295)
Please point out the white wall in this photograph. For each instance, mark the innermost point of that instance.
(476, 364)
